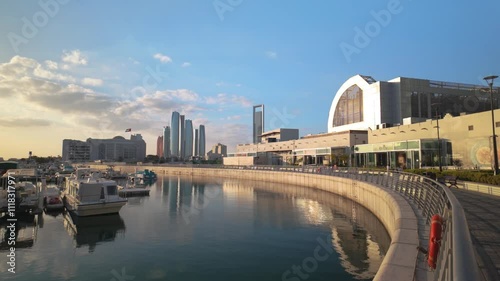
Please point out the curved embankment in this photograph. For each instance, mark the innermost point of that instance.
(390, 208)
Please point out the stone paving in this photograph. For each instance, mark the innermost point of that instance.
(483, 216)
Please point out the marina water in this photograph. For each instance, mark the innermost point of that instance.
(192, 228)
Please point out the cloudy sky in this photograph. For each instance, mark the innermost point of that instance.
(79, 69)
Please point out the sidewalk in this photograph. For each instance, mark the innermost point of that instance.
(483, 216)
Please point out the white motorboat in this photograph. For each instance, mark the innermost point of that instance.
(28, 195)
(20, 181)
(52, 199)
(87, 193)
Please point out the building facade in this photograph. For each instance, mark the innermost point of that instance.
(201, 141)
(363, 103)
(188, 139)
(464, 141)
(174, 135)
(258, 122)
(182, 138)
(76, 151)
(115, 149)
(166, 142)
(159, 146)
(196, 143)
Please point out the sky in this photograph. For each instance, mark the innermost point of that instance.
(78, 69)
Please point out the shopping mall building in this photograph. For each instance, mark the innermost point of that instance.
(392, 123)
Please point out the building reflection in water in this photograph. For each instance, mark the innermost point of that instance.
(357, 235)
(90, 231)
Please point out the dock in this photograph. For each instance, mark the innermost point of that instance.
(133, 192)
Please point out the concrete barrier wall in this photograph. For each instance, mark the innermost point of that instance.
(390, 208)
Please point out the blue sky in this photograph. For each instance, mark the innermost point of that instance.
(84, 71)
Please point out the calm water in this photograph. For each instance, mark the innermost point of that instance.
(191, 228)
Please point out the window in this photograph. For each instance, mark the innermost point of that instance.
(497, 124)
(471, 128)
(349, 107)
(112, 190)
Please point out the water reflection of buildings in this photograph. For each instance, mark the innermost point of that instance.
(93, 230)
(182, 193)
(26, 229)
(357, 235)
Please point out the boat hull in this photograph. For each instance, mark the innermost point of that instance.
(93, 209)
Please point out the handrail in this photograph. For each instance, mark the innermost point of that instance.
(456, 259)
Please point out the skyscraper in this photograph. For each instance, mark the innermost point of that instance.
(196, 143)
(159, 146)
(258, 122)
(188, 139)
(174, 135)
(166, 142)
(182, 141)
(201, 142)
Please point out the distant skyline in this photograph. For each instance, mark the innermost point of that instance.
(74, 70)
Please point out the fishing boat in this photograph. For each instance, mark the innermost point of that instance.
(88, 193)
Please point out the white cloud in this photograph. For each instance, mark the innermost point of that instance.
(49, 75)
(51, 64)
(92, 82)
(74, 57)
(186, 64)
(271, 54)
(162, 58)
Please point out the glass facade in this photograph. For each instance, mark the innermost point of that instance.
(350, 107)
(425, 104)
(188, 138)
(412, 154)
(174, 134)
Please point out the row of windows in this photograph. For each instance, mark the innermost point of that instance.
(471, 127)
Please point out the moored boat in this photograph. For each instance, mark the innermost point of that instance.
(87, 193)
(52, 199)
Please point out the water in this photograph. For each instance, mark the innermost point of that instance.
(193, 228)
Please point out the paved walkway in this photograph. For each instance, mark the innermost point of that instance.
(483, 216)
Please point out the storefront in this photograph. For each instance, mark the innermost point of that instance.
(411, 154)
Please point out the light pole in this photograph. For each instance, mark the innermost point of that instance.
(489, 80)
(439, 141)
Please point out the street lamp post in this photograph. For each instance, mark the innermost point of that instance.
(489, 80)
(439, 140)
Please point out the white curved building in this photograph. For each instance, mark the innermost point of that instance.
(363, 103)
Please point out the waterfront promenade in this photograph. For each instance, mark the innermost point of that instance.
(483, 216)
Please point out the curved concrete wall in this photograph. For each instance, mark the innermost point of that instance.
(389, 207)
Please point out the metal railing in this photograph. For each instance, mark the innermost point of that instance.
(456, 259)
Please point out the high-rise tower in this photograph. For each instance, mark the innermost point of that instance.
(258, 122)
(166, 142)
(174, 135)
(201, 141)
(196, 143)
(188, 139)
(182, 140)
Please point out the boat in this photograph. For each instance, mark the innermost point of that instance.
(146, 175)
(52, 199)
(87, 193)
(114, 175)
(28, 194)
(23, 183)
